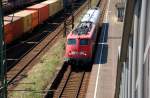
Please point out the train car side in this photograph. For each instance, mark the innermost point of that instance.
(26, 20)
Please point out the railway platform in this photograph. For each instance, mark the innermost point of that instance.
(103, 76)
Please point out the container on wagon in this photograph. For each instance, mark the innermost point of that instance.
(53, 6)
(8, 35)
(26, 18)
(13, 26)
(35, 18)
(43, 11)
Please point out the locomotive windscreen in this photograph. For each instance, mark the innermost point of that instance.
(84, 41)
(71, 41)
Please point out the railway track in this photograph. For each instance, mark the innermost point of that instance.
(25, 61)
(73, 84)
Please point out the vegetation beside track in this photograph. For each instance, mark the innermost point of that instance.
(40, 75)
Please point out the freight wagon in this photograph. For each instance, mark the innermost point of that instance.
(15, 25)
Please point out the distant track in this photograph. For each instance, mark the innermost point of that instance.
(71, 86)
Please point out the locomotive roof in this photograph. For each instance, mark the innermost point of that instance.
(92, 15)
(86, 35)
(86, 27)
(83, 28)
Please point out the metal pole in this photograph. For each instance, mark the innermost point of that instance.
(128, 21)
(130, 68)
(126, 79)
(123, 80)
(135, 49)
(3, 90)
(67, 23)
(141, 50)
(122, 87)
(65, 17)
(149, 75)
(120, 94)
(72, 12)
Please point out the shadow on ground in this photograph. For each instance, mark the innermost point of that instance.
(102, 46)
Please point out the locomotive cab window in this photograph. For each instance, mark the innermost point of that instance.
(71, 42)
(84, 41)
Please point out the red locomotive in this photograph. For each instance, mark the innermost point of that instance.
(81, 41)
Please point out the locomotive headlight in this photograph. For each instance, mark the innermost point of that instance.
(77, 53)
(82, 53)
(73, 52)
